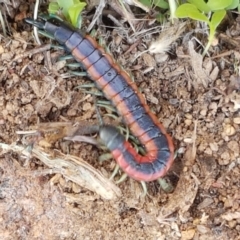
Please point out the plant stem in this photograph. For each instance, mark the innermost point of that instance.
(172, 7)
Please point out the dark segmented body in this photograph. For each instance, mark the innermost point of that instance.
(118, 87)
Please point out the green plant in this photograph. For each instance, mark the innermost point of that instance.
(158, 3)
(211, 12)
(162, 4)
(71, 9)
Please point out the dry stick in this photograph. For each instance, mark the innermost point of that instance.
(31, 52)
(120, 8)
(97, 14)
(223, 54)
(229, 40)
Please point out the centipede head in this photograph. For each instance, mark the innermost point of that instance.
(110, 136)
(40, 24)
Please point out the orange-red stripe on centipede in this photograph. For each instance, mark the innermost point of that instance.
(119, 88)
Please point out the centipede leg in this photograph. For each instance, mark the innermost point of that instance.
(144, 186)
(106, 106)
(115, 171)
(165, 185)
(122, 178)
(74, 65)
(105, 157)
(79, 74)
(66, 57)
(43, 33)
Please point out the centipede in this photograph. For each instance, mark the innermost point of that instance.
(120, 89)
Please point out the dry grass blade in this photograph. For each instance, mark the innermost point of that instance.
(138, 4)
(31, 52)
(124, 11)
(3, 24)
(72, 168)
(97, 14)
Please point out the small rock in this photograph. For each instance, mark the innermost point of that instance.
(236, 120)
(188, 234)
(1, 49)
(203, 112)
(214, 146)
(87, 106)
(228, 130)
(7, 56)
(234, 147)
(202, 229)
(225, 159)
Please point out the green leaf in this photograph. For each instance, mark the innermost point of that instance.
(160, 17)
(217, 18)
(74, 12)
(53, 7)
(234, 5)
(65, 5)
(201, 5)
(191, 11)
(146, 3)
(218, 4)
(161, 3)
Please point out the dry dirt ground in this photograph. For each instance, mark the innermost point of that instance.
(62, 191)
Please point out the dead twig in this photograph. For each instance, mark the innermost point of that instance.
(31, 52)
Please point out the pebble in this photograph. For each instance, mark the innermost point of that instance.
(236, 120)
(188, 234)
(228, 130)
(1, 49)
(214, 146)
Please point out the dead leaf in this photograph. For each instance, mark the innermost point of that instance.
(201, 77)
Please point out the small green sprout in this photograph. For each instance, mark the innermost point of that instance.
(162, 4)
(71, 9)
(158, 3)
(211, 13)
